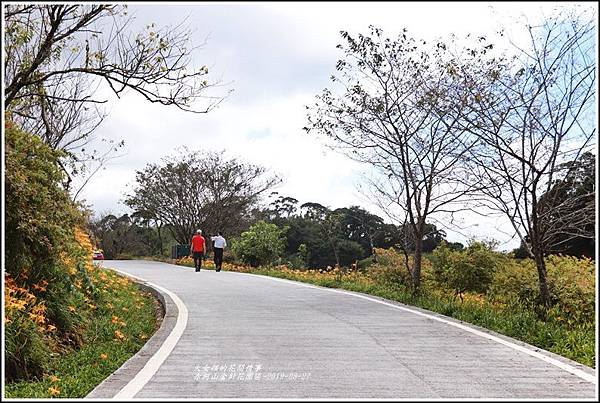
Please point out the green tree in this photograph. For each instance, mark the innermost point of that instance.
(329, 222)
(568, 209)
(263, 244)
(360, 226)
(469, 270)
(124, 235)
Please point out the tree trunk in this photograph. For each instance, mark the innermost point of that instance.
(336, 254)
(372, 247)
(160, 241)
(542, 275)
(537, 248)
(416, 272)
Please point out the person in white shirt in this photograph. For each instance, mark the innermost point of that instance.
(219, 244)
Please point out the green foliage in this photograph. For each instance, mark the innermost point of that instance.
(122, 307)
(366, 263)
(571, 281)
(350, 233)
(299, 259)
(349, 252)
(39, 213)
(262, 244)
(573, 196)
(42, 253)
(469, 270)
(26, 354)
(516, 282)
(390, 269)
(126, 234)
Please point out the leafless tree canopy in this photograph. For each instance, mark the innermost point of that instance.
(532, 116)
(397, 113)
(48, 45)
(60, 57)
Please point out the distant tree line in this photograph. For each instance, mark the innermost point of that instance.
(314, 236)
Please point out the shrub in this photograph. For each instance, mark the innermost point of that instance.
(24, 319)
(571, 282)
(366, 263)
(516, 281)
(390, 268)
(299, 259)
(261, 245)
(46, 256)
(228, 256)
(471, 269)
(39, 213)
(349, 252)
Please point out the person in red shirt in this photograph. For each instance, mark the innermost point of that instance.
(198, 249)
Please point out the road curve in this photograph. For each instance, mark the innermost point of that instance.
(247, 336)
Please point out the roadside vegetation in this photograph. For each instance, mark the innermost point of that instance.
(121, 321)
(68, 324)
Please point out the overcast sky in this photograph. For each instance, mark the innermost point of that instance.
(277, 57)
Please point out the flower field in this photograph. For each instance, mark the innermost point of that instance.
(112, 320)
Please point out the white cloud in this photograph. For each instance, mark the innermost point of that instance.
(279, 56)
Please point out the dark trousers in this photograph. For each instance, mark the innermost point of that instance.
(218, 258)
(197, 260)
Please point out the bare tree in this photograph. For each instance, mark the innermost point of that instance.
(195, 190)
(84, 165)
(396, 113)
(62, 124)
(532, 116)
(58, 57)
(52, 44)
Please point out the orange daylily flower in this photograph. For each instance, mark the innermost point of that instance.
(54, 391)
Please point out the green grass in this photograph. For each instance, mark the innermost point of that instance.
(120, 306)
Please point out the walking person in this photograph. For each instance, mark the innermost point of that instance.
(198, 249)
(219, 243)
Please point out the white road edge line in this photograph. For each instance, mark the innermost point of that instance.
(569, 368)
(146, 373)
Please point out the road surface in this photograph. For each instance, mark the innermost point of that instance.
(231, 335)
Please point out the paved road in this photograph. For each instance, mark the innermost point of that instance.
(250, 336)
